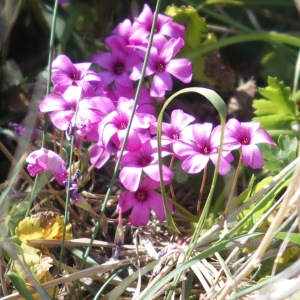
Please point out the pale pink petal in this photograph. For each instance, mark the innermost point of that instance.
(161, 82)
(195, 163)
(153, 172)
(224, 162)
(130, 177)
(62, 62)
(181, 68)
(252, 156)
(53, 102)
(180, 119)
(62, 119)
(261, 136)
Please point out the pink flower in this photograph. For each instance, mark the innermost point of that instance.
(164, 26)
(162, 66)
(141, 201)
(203, 147)
(246, 136)
(65, 73)
(63, 108)
(177, 130)
(145, 159)
(117, 64)
(116, 123)
(122, 36)
(46, 160)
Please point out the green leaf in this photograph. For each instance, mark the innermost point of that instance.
(254, 216)
(20, 285)
(276, 158)
(179, 175)
(278, 110)
(293, 237)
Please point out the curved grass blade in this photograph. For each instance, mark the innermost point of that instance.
(220, 106)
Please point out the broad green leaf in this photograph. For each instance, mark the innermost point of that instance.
(276, 158)
(277, 110)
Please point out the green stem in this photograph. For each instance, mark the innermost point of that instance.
(201, 191)
(270, 37)
(233, 184)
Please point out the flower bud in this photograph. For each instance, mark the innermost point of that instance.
(119, 235)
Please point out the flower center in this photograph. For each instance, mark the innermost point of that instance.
(144, 161)
(140, 195)
(206, 150)
(75, 76)
(245, 141)
(160, 67)
(175, 136)
(119, 68)
(122, 125)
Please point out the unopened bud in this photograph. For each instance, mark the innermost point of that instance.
(119, 235)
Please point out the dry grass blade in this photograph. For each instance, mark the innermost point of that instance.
(291, 196)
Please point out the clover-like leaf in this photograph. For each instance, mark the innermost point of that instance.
(277, 110)
(276, 158)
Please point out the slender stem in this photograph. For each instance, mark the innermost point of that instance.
(171, 184)
(233, 184)
(62, 138)
(201, 191)
(270, 37)
(54, 140)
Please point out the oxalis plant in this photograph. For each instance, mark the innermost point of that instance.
(114, 112)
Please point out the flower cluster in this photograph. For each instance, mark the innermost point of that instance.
(95, 107)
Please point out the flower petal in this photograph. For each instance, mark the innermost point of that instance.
(161, 82)
(252, 156)
(130, 177)
(140, 214)
(195, 163)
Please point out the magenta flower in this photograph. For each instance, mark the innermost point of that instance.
(145, 159)
(63, 108)
(141, 201)
(162, 66)
(116, 123)
(178, 128)
(117, 64)
(46, 160)
(196, 153)
(65, 73)
(246, 136)
(122, 36)
(164, 26)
